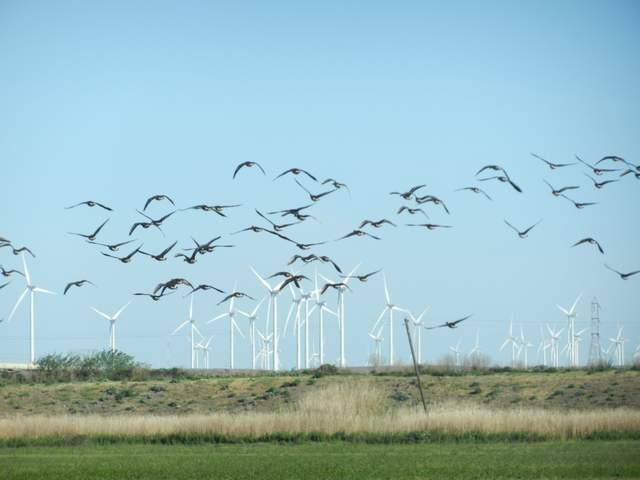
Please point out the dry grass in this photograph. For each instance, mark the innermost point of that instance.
(346, 407)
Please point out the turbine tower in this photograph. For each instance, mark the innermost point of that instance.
(273, 310)
(233, 326)
(194, 329)
(32, 290)
(595, 350)
(456, 352)
(377, 339)
(112, 324)
(389, 307)
(555, 346)
(618, 344)
(524, 345)
(252, 317)
(514, 344)
(322, 307)
(418, 325)
(571, 330)
(296, 303)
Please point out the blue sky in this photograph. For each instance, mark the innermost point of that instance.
(119, 101)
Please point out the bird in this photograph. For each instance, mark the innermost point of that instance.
(153, 296)
(613, 158)
(89, 203)
(18, 251)
(475, 190)
(552, 165)
(559, 191)
(335, 286)
(235, 295)
(304, 259)
(293, 279)
(590, 240)
(144, 225)
(7, 273)
(434, 200)
(172, 284)
(337, 185)
(156, 223)
(126, 258)
(157, 198)
(495, 168)
(450, 324)
(412, 211)
(276, 227)
(4, 285)
(305, 246)
(208, 247)
(312, 196)
(598, 184)
(219, 209)
(362, 278)
(523, 233)
(504, 179)
(297, 171)
(290, 211)
(358, 233)
(94, 235)
(376, 224)
(579, 205)
(596, 170)
(623, 276)
(190, 259)
(162, 256)
(248, 165)
(409, 193)
(325, 259)
(78, 283)
(114, 247)
(629, 170)
(428, 226)
(205, 287)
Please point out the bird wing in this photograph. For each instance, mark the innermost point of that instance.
(235, 172)
(302, 186)
(514, 228)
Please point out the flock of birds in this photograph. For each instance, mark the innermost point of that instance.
(278, 223)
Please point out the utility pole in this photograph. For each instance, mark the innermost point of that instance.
(595, 352)
(415, 365)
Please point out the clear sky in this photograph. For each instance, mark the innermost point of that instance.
(116, 101)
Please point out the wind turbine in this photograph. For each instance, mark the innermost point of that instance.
(524, 345)
(578, 339)
(514, 344)
(571, 329)
(252, 330)
(205, 348)
(297, 325)
(476, 347)
(273, 310)
(231, 313)
(264, 352)
(390, 308)
(555, 345)
(418, 325)
(543, 346)
(456, 352)
(377, 339)
(341, 325)
(322, 307)
(194, 329)
(32, 290)
(112, 324)
(618, 344)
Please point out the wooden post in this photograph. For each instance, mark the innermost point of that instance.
(415, 365)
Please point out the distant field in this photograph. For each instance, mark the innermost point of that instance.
(549, 460)
(179, 396)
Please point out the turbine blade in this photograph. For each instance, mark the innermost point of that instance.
(102, 314)
(386, 289)
(26, 270)
(42, 290)
(262, 280)
(117, 314)
(222, 315)
(191, 308)
(15, 307)
(180, 327)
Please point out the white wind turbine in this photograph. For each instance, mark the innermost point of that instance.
(514, 344)
(341, 324)
(543, 346)
(418, 325)
(190, 321)
(388, 308)
(112, 324)
(456, 352)
(618, 344)
(476, 347)
(252, 317)
(578, 339)
(272, 314)
(204, 347)
(233, 326)
(555, 345)
(306, 298)
(377, 340)
(296, 303)
(524, 345)
(265, 350)
(571, 330)
(32, 290)
(321, 305)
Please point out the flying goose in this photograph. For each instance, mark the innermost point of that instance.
(596, 170)
(523, 233)
(623, 276)
(125, 259)
(297, 171)
(451, 324)
(89, 203)
(114, 247)
(412, 211)
(172, 285)
(190, 259)
(162, 256)
(504, 179)
(219, 209)
(276, 227)
(552, 165)
(7, 273)
(157, 198)
(559, 191)
(598, 184)
(305, 259)
(205, 287)
(18, 251)
(495, 168)
(78, 283)
(337, 185)
(153, 296)
(293, 279)
(613, 158)
(290, 211)
(428, 226)
(376, 224)
(362, 278)
(409, 193)
(434, 200)
(358, 233)
(235, 295)
(475, 190)
(336, 286)
(579, 205)
(94, 235)
(248, 165)
(312, 196)
(590, 240)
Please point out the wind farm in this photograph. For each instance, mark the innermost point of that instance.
(269, 240)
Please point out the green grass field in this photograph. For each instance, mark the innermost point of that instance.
(584, 459)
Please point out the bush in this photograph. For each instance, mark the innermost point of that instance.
(106, 365)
